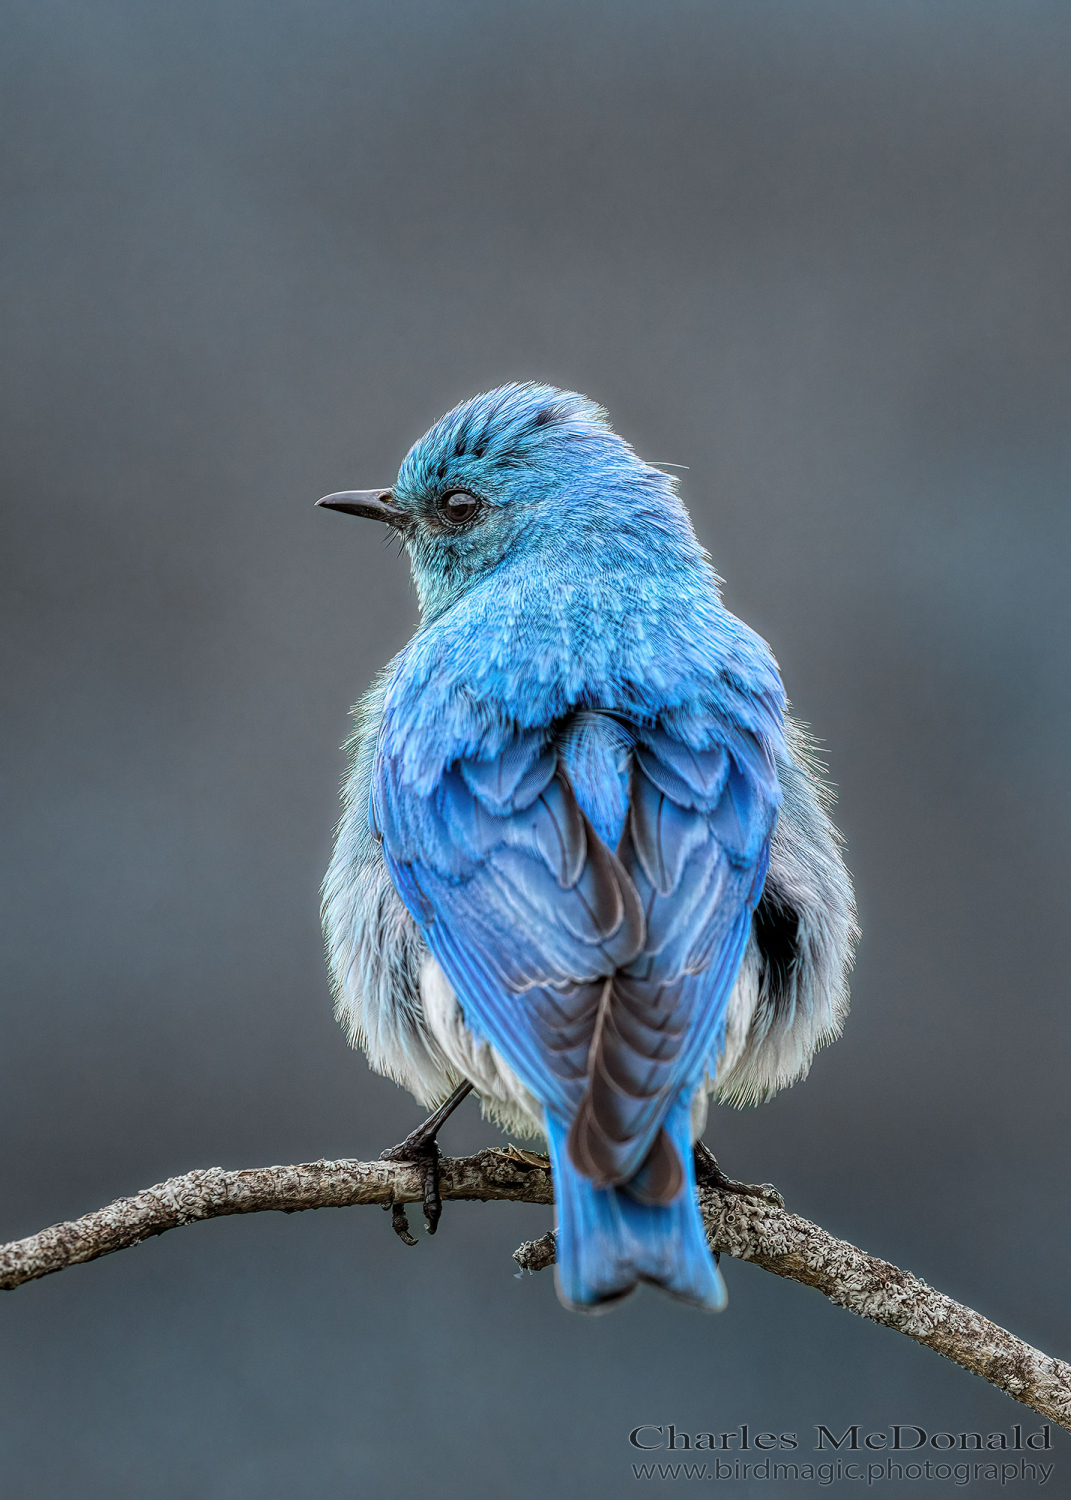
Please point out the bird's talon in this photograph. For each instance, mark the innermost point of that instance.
(425, 1154)
(399, 1222)
(709, 1174)
(418, 1150)
(433, 1203)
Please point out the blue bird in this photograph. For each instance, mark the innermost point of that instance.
(585, 865)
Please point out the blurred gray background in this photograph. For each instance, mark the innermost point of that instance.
(817, 252)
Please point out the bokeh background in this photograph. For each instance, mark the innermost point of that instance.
(817, 252)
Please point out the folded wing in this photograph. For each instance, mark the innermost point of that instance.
(695, 847)
(600, 977)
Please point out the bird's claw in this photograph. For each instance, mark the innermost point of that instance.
(399, 1222)
(709, 1174)
(422, 1152)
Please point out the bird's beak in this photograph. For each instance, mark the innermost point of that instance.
(378, 505)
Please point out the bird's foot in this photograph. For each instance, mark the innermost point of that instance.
(421, 1149)
(423, 1152)
(709, 1174)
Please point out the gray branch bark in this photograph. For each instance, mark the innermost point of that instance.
(748, 1228)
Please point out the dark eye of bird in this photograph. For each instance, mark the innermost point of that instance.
(458, 507)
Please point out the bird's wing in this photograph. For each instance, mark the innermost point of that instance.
(601, 979)
(696, 847)
(527, 912)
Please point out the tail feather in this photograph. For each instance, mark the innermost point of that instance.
(609, 1240)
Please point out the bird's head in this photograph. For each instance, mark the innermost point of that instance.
(524, 472)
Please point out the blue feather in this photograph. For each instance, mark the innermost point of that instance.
(607, 1242)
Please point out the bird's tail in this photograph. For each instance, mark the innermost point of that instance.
(608, 1240)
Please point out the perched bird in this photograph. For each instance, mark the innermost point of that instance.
(584, 865)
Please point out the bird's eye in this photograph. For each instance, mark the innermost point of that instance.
(458, 507)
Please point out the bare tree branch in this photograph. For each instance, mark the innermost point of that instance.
(790, 1246)
(745, 1227)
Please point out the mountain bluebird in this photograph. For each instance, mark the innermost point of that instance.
(584, 865)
